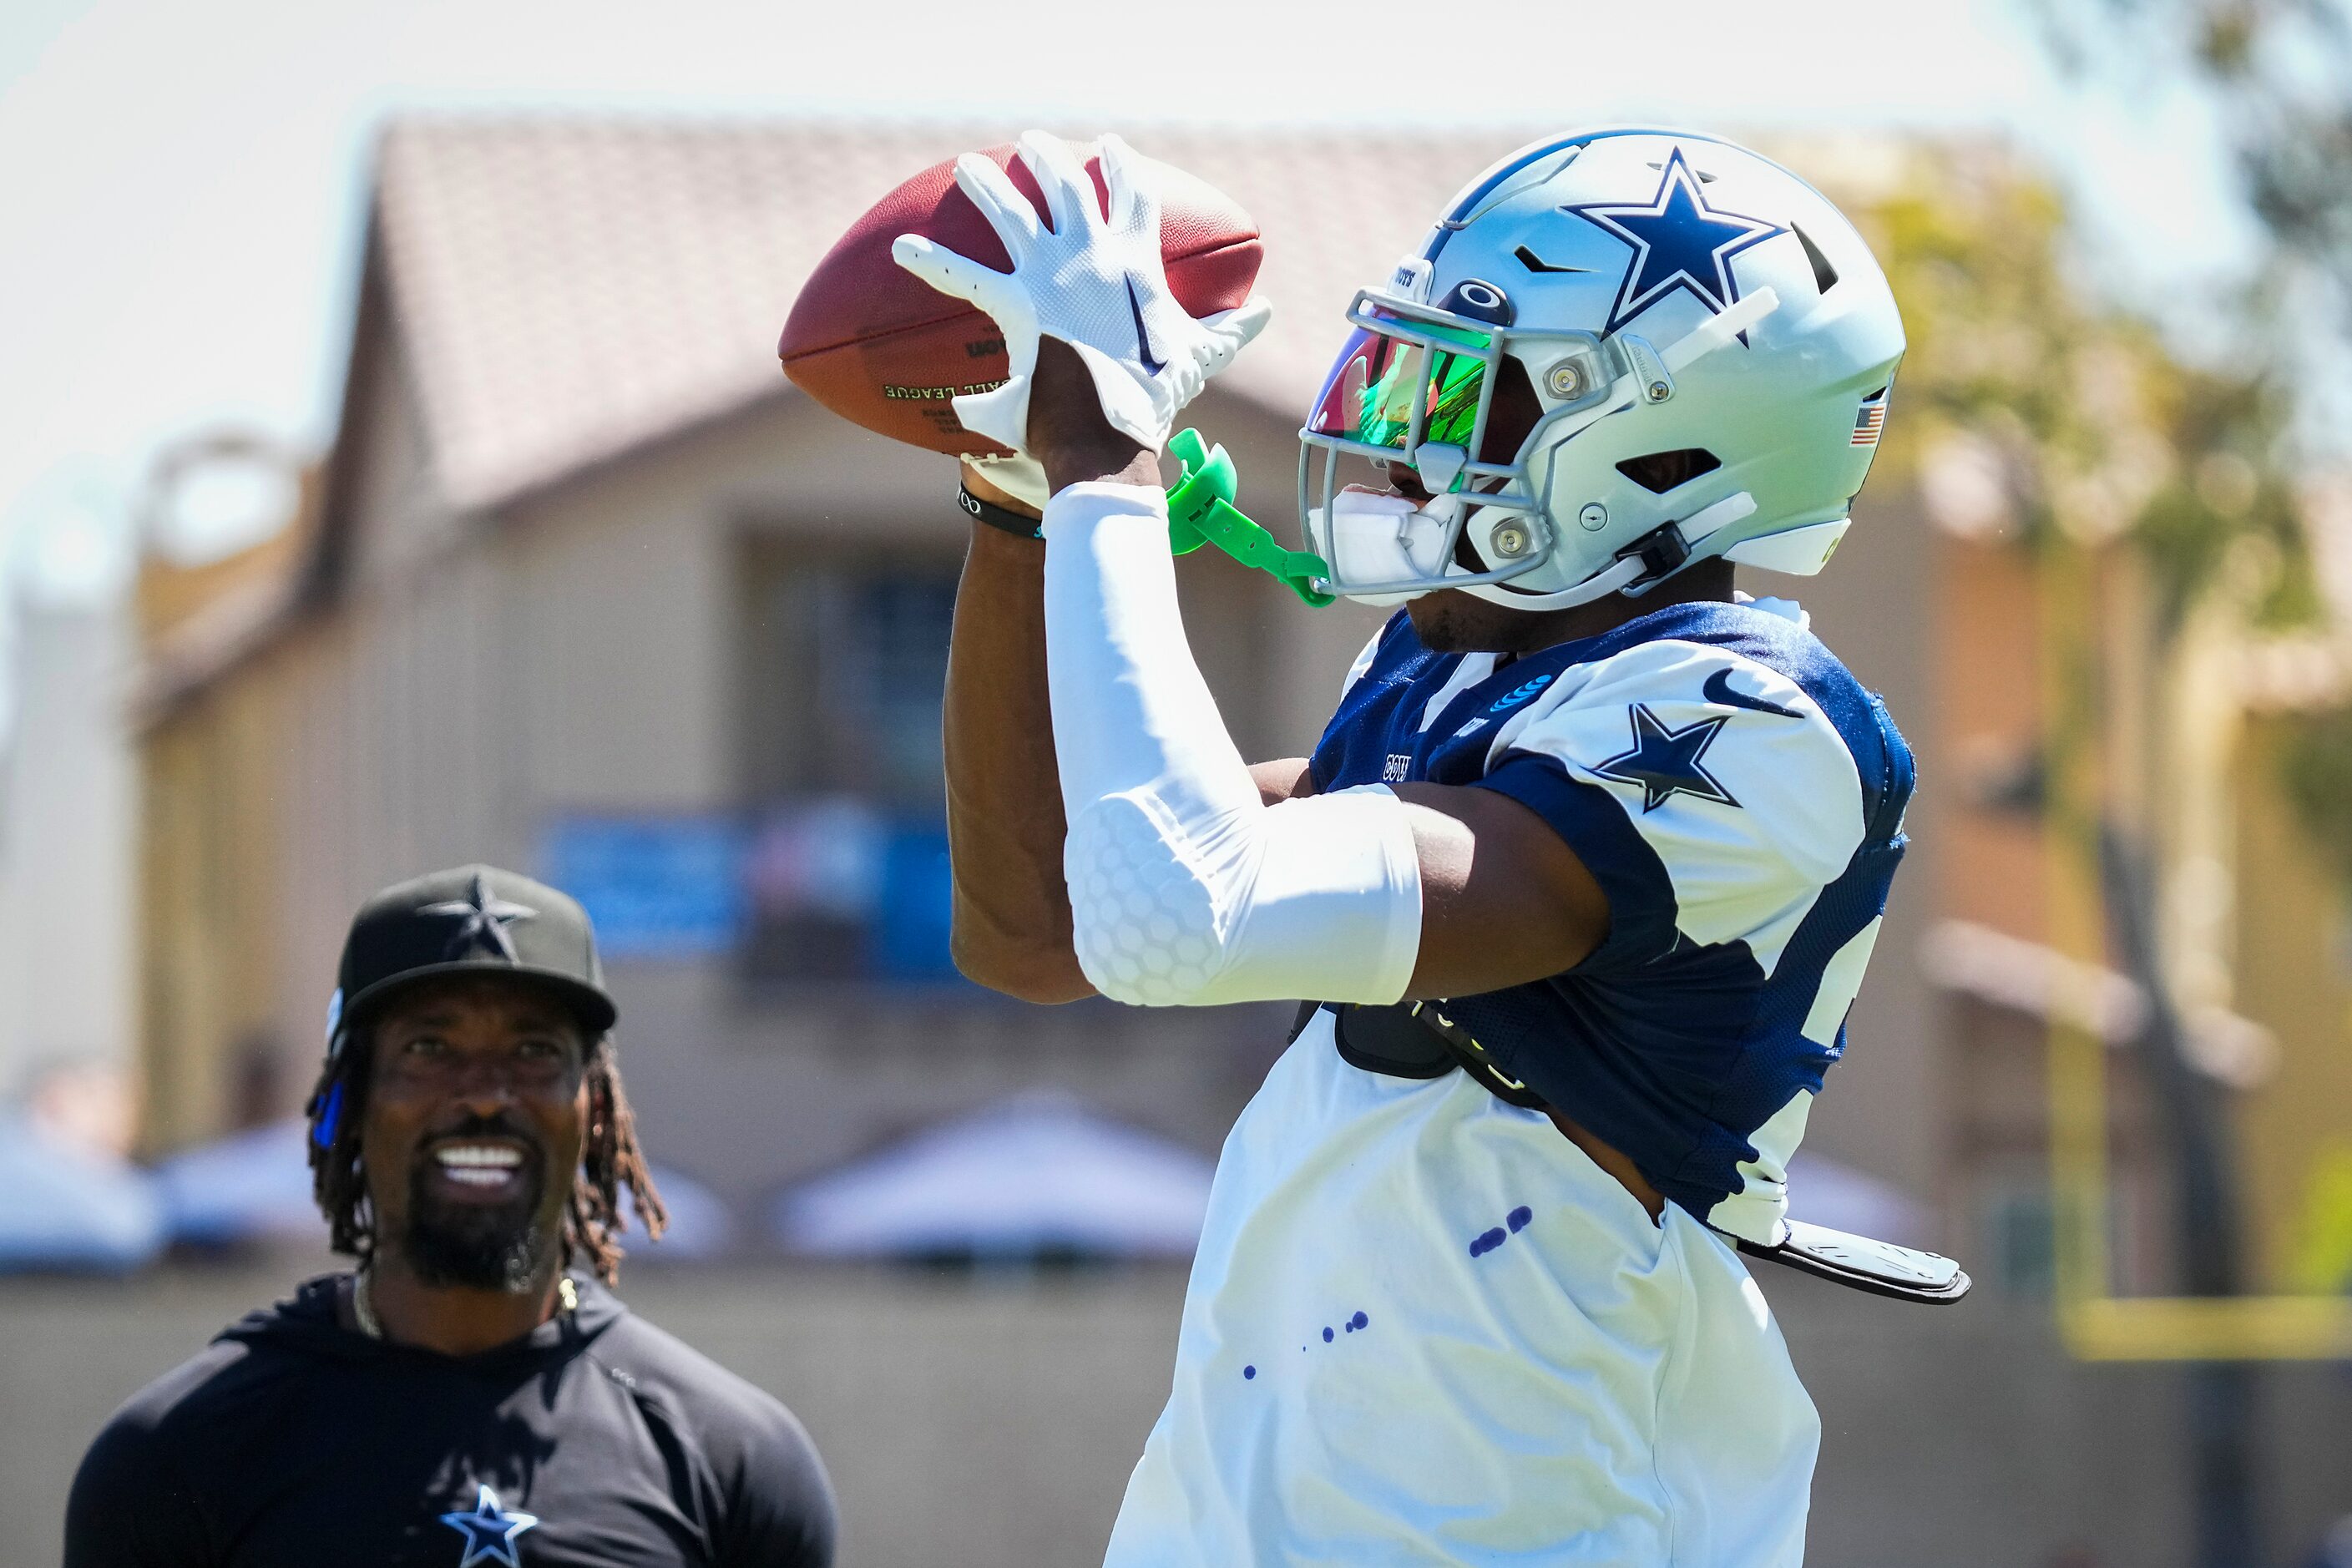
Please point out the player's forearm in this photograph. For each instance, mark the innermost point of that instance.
(1188, 888)
(1012, 910)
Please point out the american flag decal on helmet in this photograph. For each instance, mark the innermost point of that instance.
(1870, 420)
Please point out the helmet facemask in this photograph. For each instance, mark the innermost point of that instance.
(1417, 384)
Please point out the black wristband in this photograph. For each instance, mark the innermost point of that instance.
(1003, 517)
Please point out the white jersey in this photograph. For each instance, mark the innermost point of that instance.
(1424, 1328)
(1421, 1325)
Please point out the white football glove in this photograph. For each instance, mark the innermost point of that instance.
(1097, 284)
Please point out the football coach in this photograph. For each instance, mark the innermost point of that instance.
(473, 1393)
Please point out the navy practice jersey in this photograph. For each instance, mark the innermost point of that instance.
(1739, 797)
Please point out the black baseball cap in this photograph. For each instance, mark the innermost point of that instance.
(470, 919)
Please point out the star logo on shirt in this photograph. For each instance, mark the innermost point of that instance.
(490, 1531)
(1679, 242)
(486, 918)
(1666, 762)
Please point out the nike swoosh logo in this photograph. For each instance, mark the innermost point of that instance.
(1718, 690)
(1534, 263)
(1142, 339)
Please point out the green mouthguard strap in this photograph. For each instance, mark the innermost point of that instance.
(1201, 511)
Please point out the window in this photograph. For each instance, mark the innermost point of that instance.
(845, 863)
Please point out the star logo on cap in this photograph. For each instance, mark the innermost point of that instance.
(1679, 242)
(490, 1531)
(486, 918)
(1666, 762)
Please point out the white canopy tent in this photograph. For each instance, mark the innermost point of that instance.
(65, 1207)
(1036, 1172)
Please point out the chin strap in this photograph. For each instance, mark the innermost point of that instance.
(1200, 510)
(1651, 559)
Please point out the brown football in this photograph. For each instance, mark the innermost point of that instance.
(883, 350)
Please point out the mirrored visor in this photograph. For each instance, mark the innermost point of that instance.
(1392, 369)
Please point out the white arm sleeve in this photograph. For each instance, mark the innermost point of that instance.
(1186, 887)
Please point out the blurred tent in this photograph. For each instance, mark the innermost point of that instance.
(252, 1187)
(64, 1206)
(255, 1188)
(701, 1227)
(1034, 1174)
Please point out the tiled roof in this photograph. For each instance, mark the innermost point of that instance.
(570, 288)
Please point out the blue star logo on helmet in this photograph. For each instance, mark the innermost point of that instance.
(490, 1531)
(1679, 242)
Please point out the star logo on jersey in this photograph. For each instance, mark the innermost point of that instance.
(1679, 242)
(490, 1531)
(486, 918)
(1667, 763)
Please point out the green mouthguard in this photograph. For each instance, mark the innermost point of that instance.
(1201, 511)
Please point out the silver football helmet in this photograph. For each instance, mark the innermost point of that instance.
(1697, 344)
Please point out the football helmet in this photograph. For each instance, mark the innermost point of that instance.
(1618, 351)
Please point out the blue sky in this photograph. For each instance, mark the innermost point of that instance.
(182, 181)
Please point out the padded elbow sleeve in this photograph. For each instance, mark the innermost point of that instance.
(1319, 897)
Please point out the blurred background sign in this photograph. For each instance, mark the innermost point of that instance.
(842, 890)
(656, 886)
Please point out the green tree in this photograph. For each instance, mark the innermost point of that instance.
(2080, 414)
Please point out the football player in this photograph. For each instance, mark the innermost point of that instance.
(1580, 881)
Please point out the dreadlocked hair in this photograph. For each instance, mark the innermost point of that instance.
(594, 1219)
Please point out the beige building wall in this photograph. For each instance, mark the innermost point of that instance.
(626, 693)
(212, 882)
(475, 677)
(581, 651)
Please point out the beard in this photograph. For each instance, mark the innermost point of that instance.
(1450, 621)
(479, 1246)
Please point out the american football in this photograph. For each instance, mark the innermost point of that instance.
(880, 348)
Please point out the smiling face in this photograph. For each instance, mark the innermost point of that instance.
(478, 1109)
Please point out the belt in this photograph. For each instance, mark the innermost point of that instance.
(1417, 1040)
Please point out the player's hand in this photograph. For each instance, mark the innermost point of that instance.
(1097, 284)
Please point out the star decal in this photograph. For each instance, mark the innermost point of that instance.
(1679, 242)
(490, 1531)
(1666, 762)
(486, 921)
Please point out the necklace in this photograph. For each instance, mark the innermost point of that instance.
(364, 1306)
(567, 1300)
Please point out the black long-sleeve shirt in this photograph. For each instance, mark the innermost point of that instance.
(293, 1441)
